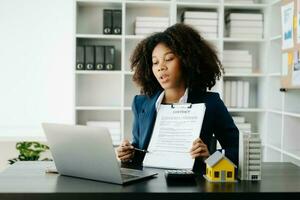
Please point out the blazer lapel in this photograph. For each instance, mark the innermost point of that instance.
(147, 120)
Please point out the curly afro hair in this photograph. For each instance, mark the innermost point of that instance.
(198, 59)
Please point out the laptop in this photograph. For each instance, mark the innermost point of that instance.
(87, 152)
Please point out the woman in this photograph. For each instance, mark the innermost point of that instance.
(178, 66)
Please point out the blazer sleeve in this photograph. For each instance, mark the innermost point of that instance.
(226, 131)
(135, 128)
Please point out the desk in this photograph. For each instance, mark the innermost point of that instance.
(27, 180)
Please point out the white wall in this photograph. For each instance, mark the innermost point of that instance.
(37, 59)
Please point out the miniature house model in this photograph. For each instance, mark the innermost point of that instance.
(219, 168)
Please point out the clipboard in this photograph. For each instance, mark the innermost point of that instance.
(175, 129)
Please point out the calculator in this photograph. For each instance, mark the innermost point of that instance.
(179, 174)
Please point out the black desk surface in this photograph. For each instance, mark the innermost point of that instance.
(28, 180)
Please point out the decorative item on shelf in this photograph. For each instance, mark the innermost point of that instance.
(29, 151)
(244, 24)
(219, 168)
(204, 21)
(249, 156)
(237, 94)
(147, 25)
(112, 21)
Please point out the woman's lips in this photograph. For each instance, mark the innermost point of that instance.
(164, 78)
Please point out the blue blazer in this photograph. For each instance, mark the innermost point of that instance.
(217, 121)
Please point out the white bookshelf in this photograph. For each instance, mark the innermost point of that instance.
(107, 95)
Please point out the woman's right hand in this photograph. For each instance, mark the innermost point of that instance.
(125, 151)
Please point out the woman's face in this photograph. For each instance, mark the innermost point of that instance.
(166, 67)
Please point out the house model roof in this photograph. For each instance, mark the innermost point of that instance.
(215, 158)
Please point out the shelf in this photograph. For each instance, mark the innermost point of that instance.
(99, 36)
(135, 37)
(143, 4)
(128, 73)
(275, 111)
(197, 5)
(274, 38)
(275, 2)
(274, 74)
(290, 114)
(294, 154)
(244, 75)
(106, 3)
(106, 72)
(98, 108)
(228, 39)
(245, 6)
(246, 110)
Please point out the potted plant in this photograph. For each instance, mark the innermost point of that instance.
(29, 151)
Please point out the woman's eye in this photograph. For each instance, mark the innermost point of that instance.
(169, 59)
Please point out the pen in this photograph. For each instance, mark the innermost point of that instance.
(142, 150)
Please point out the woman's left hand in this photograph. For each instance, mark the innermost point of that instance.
(199, 149)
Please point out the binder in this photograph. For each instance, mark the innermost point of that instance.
(79, 58)
(99, 58)
(89, 57)
(109, 57)
(107, 21)
(116, 22)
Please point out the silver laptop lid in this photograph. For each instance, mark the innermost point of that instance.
(83, 151)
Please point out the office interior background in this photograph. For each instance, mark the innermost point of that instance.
(39, 81)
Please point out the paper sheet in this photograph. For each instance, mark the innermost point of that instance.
(174, 131)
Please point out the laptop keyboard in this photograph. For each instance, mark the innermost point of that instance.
(128, 176)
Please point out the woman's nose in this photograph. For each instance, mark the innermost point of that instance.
(162, 67)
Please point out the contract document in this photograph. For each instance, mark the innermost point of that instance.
(175, 129)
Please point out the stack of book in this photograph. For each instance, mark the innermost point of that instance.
(148, 25)
(114, 128)
(245, 25)
(237, 61)
(250, 156)
(236, 94)
(206, 22)
(241, 124)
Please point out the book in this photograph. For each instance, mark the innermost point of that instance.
(240, 94)
(246, 94)
(245, 16)
(237, 58)
(237, 64)
(233, 99)
(243, 23)
(107, 21)
(144, 31)
(248, 30)
(80, 58)
(200, 14)
(227, 92)
(117, 22)
(236, 70)
(99, 58)
(240, 1)
(201, 22)
(238, 119)
(89, 52)
(208, 35)
(151, 24)
(109, 57)
(151, 19)
(208, 29)
(246, 35)
(236, 52)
